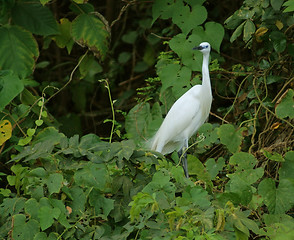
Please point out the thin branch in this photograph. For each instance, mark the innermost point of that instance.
(70, 78)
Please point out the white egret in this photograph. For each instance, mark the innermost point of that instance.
(186, 115)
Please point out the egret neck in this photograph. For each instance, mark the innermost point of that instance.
(205, 74)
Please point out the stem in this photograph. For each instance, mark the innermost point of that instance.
(112, 108)
(70, 77)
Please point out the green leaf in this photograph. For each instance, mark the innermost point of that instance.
(230, 137)
(49, 135)
(137, 121)
(188, 20)
(64, 39)
(213, 29)
(43, 235)
(92, 175)
(289, 6)
(199, 197)
(243, 160)
(99, 202)
(195, 166)
(88, 30)
(276, 4)
(286, 107)
(39, 122)
(287, 169)
(278, 40)
(175, 76)
(273, 156)
(79, 199)
(214, 167)
(210, 135)
(165, 8)
(130, 37)
(34, 17)
(38, 172)
(32, 208)
(44, 2)
(47, 215)
(18, 50)
(183, 46)
(31, 132)
(10, 87)
(241, 187)
(237, 32)
(11, 206)
(280, 199)
(24, 141)
(24, 229)
(54, 182)
(123, 149)
(249, 30)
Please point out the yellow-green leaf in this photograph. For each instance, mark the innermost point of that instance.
(5, 131)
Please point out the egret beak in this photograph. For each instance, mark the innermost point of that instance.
(198, 48)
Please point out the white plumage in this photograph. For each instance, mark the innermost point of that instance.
(186, 115)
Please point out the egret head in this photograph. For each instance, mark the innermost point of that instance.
(203, 47)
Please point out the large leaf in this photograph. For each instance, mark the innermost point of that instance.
(187, 20)
(278, 40)
(286, 107)
(18, 50)
(64, 39)
(280, 199)
(137, 121)
(212, 33)
(287, 169)
(54, 182)
(10, 87)
(173, 75)
(23, 229)
(230, 137)
(34, 17)
(88, 30)
(92, 175)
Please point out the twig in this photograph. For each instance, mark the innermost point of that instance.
(213, 114)
(70, 78)
(124, 8)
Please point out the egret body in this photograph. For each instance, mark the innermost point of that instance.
(186, 115)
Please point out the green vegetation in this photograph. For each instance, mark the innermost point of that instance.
(83, 86)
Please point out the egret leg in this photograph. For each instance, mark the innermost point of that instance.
(184, 158)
